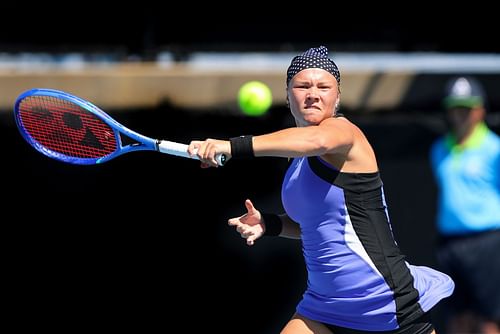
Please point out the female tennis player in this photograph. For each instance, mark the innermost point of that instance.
(358, 279)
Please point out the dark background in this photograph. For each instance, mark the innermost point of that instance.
(141, 242)
(145, 28)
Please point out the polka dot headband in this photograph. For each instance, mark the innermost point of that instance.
(312, 58)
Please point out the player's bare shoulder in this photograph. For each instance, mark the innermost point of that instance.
(347, 124)
(341, 123)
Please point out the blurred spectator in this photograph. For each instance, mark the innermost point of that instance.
(466, 164)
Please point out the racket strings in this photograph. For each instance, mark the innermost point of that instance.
(66, 128)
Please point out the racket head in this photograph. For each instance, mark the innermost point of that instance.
(70, 129)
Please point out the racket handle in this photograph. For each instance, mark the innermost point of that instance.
(178, 149)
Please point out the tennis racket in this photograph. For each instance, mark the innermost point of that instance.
(67, 128)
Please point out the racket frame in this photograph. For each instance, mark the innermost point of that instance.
(143, 143)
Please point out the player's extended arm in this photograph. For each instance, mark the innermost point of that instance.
(332, 135)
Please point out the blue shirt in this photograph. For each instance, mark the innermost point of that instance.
(468, 178)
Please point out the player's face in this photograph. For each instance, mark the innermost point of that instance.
(312, 95)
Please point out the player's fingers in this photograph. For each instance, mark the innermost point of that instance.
(206, 153)
(250, 208)
(251, 240)
(202, 147)
(209, 155)
(213, 153)
(207, 147)
(193, 147)
(247, 233)
(233, 222)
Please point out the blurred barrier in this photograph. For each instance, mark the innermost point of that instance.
(370, 82)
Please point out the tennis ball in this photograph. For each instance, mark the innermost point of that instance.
(254, 98)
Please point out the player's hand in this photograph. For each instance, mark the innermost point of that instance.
(206, 151)
(249, 225)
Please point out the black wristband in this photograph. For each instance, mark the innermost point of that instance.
(273, 224)
(242, 147)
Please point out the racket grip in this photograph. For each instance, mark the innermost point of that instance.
(178, 149)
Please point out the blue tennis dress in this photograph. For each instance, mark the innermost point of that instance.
(357, 276)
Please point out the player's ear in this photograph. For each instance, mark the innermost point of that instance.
(287, 97)
(337, 104)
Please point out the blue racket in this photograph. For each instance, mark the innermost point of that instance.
(67, 128)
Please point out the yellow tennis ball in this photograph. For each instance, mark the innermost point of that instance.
(254, 98)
